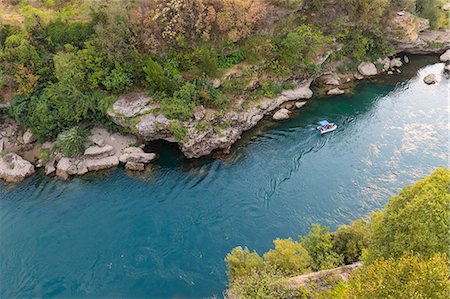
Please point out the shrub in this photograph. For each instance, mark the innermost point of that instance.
(410, 276)
(60, 33)
(350, 240)
(241, 262)
(178, 131)
(288, 257)
(71, 142)
(416, 220)
(319, 244)
(118, 81)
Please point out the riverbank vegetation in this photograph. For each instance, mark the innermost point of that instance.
(64, 62)
(403, 249)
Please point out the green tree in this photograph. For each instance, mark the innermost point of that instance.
(410, 276)
(241, 262)
(319, 243)
(416, 220)
(288, 257)
(350, 240)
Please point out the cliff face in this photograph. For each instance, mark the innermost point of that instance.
(410, 34)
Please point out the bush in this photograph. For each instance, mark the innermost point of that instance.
(319, 244)
(60, 33)
(241, 262)
(288, 257)
(411, 276)
(350, 240)
(264, 284)
(416, 220)
(178, 131)
(118, 81)
(71, 142)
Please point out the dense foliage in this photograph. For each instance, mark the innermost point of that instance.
(404, 249)
(68, 59)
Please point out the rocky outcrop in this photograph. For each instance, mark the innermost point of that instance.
(96, 151)
(282, 114)
(445, 57)
(411, 34)
(13, 168)
(109, 151)
(431, 79)
(367, 69)
(136, 155)
(335, 91)
(134, 166)
(340, 273)
(150, 124)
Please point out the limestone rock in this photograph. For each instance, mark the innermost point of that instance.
(82, 168)
(28, 137)
(406, 59)
(50, 166)
(216, 83)
(13, 168)
(299, 105)
(97, 140)
(446, 7)
(301, 92)
(66, 167)
(390, 72)
(134, 166)
(282, 114)
(358, 76)
(131, 105)
(431, 79)
(386, 62)
(96, 151)
(100, 164)
(395, 63)
(199, 113)
(335, 91)
(330, 79)
(136, 155)
(367, 69)
(445, 57)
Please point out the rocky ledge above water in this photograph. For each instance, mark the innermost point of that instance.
(143, 117)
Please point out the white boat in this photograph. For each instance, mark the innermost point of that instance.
(326, 127)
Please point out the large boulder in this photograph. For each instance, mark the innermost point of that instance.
(445, 57)
(395, 63)
(335, 91)
(136, 155)
(14, 169)
(431, 79)
(100, 164)
(367, 69)
(66, 167)
(282, 114)
(96, 151)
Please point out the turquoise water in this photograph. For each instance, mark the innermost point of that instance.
(164, 234)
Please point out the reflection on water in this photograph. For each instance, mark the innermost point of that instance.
(164, 233)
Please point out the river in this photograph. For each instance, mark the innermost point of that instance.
(165, 233)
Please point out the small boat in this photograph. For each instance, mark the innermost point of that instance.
(326, 127)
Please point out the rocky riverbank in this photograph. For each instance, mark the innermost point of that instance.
(209, 130)
(22, 154)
